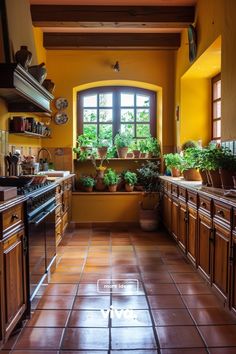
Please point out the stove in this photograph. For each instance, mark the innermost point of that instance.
(33, 188)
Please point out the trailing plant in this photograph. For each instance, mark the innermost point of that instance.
(130, 178)
(173, 161)
(111, 177)
(148, 176)
(123, 140)
(87, 181)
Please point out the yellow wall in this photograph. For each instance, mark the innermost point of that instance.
(40, 50)
(214, 18)
(70, 69)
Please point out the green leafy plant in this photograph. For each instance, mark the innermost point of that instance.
(189, 144)
(148, 176)
(111, 152)
(87, 181)
(102, 142)
(153, 146)
(173, 161)
(143, 145)
(82, 155)
(84, 140)
(135, 145)
(192, 158)
(215, 157)
(130, 178)
(122, 140)
(111, 177)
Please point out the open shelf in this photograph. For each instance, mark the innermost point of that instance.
(122, 159)
(30, 134)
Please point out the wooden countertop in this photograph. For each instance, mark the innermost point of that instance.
(216, 193)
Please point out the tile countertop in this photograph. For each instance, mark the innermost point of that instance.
(197, 186)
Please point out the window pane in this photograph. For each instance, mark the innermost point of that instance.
(127, 99)
(142, 130)
(143, 115)
(105, 115)
(127, 115)
(90, 115)
(217, 129)
(90, 101)
(217, 90)
(90, 130)
(142, 101)
(127, 129)
(105, 100)
(105, 131)
(217, 109)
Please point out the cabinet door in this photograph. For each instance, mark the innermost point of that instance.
(166, 211)
(175, 218)
(233, 274)
(221, 259)
(205, 234)
(14, 264)
(182, 237)
(192, 235)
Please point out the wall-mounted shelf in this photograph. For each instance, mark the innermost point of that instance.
(22, 92)
(122, 159)
(30, 134)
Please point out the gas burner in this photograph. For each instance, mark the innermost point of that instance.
(32, 188)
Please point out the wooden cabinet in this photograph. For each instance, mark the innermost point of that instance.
(183, 218)
(166, 215)
(233, 273)
(205, 240)
(175, 218)
(192, 235)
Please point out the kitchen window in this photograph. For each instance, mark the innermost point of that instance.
(106, 111)
(216, 108)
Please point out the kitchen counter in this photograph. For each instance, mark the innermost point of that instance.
(4, 205)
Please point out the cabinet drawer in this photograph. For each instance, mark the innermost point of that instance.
(174, 190)
(65, 219)
(182, 193)
(169, 187)
(222, 212)
(205, 205)
(58, 233)
(12, 217)
(192, 198)
(58, 212)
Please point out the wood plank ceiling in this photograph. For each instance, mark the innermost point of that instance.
(106, 27)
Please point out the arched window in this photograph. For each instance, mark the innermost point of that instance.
(105, 111)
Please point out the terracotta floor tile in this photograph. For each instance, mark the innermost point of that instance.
(143, 351)
(180, 268)
(201, 301)
(86, 338)
(34, 352)
(93, 277)
(133, 338)
(91, 303)
(219, 336)
(194, 288)
(87, 318)
(184, 351)
(97, 269)
(166, 301)
(158, 277)
(175, 261)
(125, 269)
(40, 338)
(49, 318)
(212, 316)
(72, 278)
(129, 302)
(61, 289)
(55, 302)
(160, 289)
(82, 352)
(136, 318)
(179, 337)
(88, 289)
(222, 350)
(172, 317)
(186, 278)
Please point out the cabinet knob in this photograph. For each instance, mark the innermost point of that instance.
(203, 204)
(14, 217)
(221, 213)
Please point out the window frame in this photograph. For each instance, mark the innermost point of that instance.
(213, 81)
(116, 90)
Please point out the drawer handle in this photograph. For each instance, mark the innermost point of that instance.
(221, 213)
(191, 198)
(203, 204)
(14, 217)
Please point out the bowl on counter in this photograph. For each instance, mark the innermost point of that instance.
(39, 179)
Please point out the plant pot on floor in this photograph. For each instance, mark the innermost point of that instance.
(112, 188)
(204, 177)
(215, 178)
(175, 172)
(226, 177)
(192, 174)
(129, 187)
(122, 152)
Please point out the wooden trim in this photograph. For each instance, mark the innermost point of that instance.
(115, 16)
(213, 81)
(111, 40)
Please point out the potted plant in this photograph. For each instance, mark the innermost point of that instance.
(84, 142)
(174, 163)
(227, 169)
(153, 146)
(130, 179)
(189, 144)
(212, 164)
(191, 164)
(102, 147)
(143, 145)
(111, 179)
(122, 142)
(100, 170)
(88, 183)
(136, 149)
(149, 206)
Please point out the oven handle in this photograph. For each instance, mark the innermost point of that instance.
(49, 211)
(39, 218)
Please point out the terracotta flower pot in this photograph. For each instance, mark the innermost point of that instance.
(215, 178)
(99, 184)
(143, 155)
(112, 188)
(122, 152)
(208, 178)
(129, 187)
(102, 152)
(136, 154)
(192, 174)
(204, 177)
(226, 177)
(88, 189)
(148, 218)
(175, 172)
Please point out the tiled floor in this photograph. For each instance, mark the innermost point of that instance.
(173, 312)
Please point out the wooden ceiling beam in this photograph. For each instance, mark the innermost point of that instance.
(112, 16)
(111, 40)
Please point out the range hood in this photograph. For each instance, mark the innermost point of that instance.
(22, 92)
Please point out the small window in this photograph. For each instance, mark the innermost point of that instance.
(216, 108)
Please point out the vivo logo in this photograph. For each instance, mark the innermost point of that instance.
(127, 314)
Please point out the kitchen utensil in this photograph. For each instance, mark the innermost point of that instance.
(14, 163)
(16, 181)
